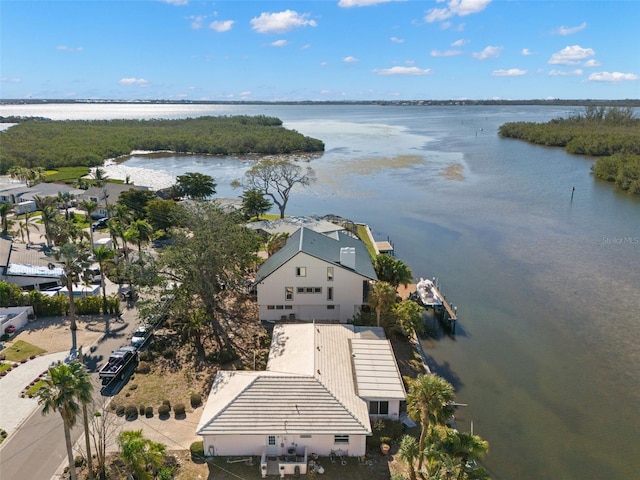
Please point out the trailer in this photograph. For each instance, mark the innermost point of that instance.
(119, 362)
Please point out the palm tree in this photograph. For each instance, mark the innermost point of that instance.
(392, 270)
(103, 255)
(100, 177)
(89, 206)
(382, 296)
(275, 242)
(65, 388)
(75, 262)
(5, 209)
(140, 454)
(49, 212)
(464, 448)
(408, 452)
(66, 198)
(429, 402)
(139, 232)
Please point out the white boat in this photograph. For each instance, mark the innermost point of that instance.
(427, 293)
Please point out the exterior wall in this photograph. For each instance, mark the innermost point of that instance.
(16, 316)
(24, 281)
(238, 445)
(394, 408)
(346, 284)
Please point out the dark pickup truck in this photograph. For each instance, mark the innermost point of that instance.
(119, 361)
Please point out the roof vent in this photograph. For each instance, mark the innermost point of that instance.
(348, 257)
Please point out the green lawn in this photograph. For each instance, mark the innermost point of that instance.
(21, 350)
(35, 387)
(66, 174)
(4, 366)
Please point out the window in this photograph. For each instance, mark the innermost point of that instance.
(379, 408)
(301, 271)
(271, 440)
(317, 289)
(331, 307)
(288, 293)
(305, 435)
(329, 274)
(279, 307)
(271, 307)
(309, 289)
(288, 307)
(341, 439)
(329, 293)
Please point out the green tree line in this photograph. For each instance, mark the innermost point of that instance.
(51, 144)
(610, 133)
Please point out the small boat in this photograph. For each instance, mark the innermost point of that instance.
(427, 293)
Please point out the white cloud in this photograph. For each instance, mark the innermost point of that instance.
(571, 55)
(488, 52)
(177, 2)
(456, 7)
(612, 77)
(281, 22)
(64, 48)
(526, 52)
(446, 53)
(349, 59)
(279, 43)
(403, 71)
(196, 21)
(460, 43)
(362, 3)
(221, 26)
(565, 73)
(592, 63)
(570, 30)
(396, 40)
(512, 72)
(10, 80)
(141, 82)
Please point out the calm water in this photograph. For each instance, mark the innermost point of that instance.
(547, 289)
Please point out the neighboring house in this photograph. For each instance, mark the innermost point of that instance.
(29, 268)
(290, 225)
(107, 195)
(23, 197)
(14, 318)
(322, 385)
(315, 277)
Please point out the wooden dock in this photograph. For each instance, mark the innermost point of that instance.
(446, 313)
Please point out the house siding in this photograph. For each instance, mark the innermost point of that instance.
(238, 445)
(346, 284)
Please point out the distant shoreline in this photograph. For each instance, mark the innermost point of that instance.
(419, 103)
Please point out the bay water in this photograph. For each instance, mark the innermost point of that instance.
(546, 279)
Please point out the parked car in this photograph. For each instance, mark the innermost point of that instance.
(140, 336)
(98, 224)
(10, 329)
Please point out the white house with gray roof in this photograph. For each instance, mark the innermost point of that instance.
(315, 277)
(322, 386)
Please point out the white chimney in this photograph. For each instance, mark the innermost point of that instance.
(348, 257)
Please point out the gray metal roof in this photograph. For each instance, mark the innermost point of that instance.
(376, 371)
(322, 247)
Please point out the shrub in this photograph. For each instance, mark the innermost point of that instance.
(78, 461)
(142, 409)
(32, 357)
(133, 386)
(146, 356)
(167, 403)
(169, 353)
(131, 412)
(148, 412)
(197, 451)
(112, 406)
(143, 367)
(163, 410)
(120, 410)
(196, 400)
(179, 409)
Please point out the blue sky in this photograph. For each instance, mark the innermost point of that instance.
(319, 49)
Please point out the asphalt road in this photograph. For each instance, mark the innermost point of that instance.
(37, 449)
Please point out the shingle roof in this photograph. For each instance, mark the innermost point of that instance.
(322, 247)
(264, 403)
